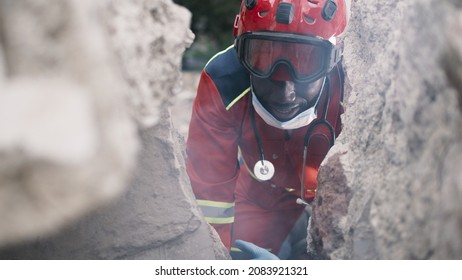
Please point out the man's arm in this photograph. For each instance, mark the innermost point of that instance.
(212, 158)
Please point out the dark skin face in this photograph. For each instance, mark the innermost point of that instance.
(286, 99)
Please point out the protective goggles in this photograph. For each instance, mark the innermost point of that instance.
(307, 58)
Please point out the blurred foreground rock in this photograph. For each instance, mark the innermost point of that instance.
(150, 221)
(67, 143)
(77, 80)
(391, 188)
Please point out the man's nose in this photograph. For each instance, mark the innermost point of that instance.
(289, 94)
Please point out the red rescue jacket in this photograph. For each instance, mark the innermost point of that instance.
(221, 126)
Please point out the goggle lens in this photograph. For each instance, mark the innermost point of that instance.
(307, 58)
(263, 55)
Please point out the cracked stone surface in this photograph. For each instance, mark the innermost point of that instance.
(89, 166)
(397, 156)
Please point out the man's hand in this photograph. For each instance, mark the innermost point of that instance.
(256, 253)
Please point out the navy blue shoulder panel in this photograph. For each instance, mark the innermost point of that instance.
(229, 76)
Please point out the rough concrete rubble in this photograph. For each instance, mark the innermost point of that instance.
(149, 37)
(67, 143)
(157, 218)
(71, 146)
(391, 187)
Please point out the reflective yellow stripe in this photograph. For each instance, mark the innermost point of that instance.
(238, 98)
(215, 203)
(216, 212)
(213, 57)
(234, 249)
(213, 220)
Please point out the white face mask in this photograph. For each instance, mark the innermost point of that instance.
(302, 119)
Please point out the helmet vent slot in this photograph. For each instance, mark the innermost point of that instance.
(313, 3)
(309, 19)
(329, 10)
(250, 4)
(285, 13)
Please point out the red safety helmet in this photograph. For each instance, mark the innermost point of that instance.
(293, 33)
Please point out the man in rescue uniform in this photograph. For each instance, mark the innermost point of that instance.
(266, 113)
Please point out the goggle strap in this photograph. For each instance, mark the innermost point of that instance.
(335, 57)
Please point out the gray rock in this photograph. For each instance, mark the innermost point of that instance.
(157, 218)
(76, 80)
(67, 142)
(391, 186)
(149, 38)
